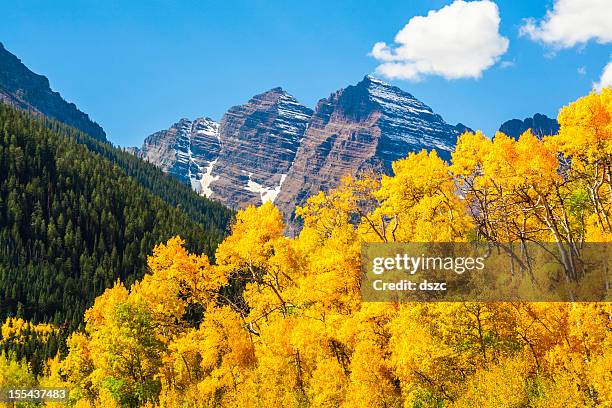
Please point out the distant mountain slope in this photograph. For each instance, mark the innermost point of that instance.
(540, 125)
(163, 185)
(26, 90)
(73, 221)
(17, 81)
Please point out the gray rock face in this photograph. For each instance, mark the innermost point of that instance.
(274, 149)
(368, 125)
(187, 150)
(23, 89)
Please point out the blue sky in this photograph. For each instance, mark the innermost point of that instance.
(138, 66)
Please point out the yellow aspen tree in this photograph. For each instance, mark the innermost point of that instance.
(419, 203)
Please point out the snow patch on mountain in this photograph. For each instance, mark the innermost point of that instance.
(266, 193)
(406, 119)
(207, 127)
(291, 117)
(200, 182)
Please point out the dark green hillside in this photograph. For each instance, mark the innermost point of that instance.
(72, 221)
(169, 189)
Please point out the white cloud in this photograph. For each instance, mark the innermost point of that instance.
(572, 22)
(606, 78)
(460, 40)
(581, 70)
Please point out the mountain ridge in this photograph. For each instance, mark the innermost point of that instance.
(26, 90)
(363, 126)
(272, 148)
(541, 125)
(246, 161)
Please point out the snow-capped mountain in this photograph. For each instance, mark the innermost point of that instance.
(244, 159)
(367, 125)
(272, 148)
(259, 141)
(407, 124)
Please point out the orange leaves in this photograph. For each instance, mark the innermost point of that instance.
(104, 304)
(586, 126)
(511, 187)
(177, 279)
(418, 175)
(470, 153)
(505, 161)
(528, 161)
(129, 331)
(337, 211)
(18, 330)
(203, 361)
(536, 161)
(585, 138)
(505, 384)
(171, 262)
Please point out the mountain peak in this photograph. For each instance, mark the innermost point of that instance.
(272, 148)
(242, 160)
(273, 92)
(275, 101)
(205, 119)
(372, 79)
(367, 125)
(377, 87)
(270, 97)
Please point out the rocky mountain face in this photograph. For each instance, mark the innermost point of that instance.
(23, 89)
(187, 150)
(272, 148)
(540, 125)
(368, 125)
(242, 160)
(259, 141)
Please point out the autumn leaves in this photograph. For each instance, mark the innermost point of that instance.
(277, 321)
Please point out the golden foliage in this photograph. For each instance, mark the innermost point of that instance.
(16, 330)
(279, 322)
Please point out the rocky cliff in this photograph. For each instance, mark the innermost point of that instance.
(187, 150)
(26, 90)
(259, 141)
